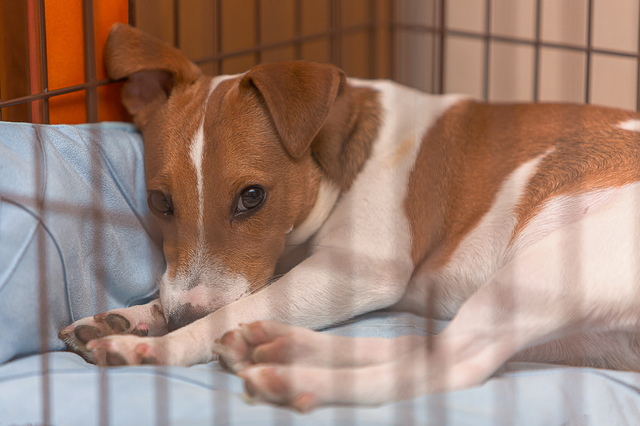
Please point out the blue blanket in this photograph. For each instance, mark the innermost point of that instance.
(74, 221)
(73, 213)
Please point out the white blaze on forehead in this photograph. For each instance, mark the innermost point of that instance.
(196, 153)
(631, 125)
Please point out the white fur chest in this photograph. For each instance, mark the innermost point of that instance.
(369, 219)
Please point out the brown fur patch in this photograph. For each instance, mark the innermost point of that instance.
(344, 143)
(471, 150)
(299, 96)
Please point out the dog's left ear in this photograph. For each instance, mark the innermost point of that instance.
(153, 67)
(299, 96)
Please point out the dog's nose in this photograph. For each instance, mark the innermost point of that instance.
(184, 314)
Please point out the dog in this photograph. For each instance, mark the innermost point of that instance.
(293, 198)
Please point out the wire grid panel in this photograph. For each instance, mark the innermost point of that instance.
(498, 50)
(533, 50)
(583, 51)
(218, 36)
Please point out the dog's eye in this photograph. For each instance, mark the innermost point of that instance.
(160, 203)
(250, 198)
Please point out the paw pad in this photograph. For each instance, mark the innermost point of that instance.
(118, 323)
(84, 333)
(115, 360)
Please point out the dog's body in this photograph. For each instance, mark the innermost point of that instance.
(517, 221)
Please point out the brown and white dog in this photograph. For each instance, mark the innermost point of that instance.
(521, 223)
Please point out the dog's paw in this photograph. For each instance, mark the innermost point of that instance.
(119, 350)
(299, 387)
(270, 342)
(81, 332)
(268, 356)
(139, 321)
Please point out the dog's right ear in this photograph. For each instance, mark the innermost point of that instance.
(152, 66)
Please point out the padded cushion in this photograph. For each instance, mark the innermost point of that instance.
(74, 217)
(521, 394)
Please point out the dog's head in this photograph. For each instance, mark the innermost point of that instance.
(229, 164)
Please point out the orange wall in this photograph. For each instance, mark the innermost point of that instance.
(65, 57)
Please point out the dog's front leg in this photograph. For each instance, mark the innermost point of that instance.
(582, 278)
(327, 288)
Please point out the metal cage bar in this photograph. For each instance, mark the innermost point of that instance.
(487, 51)
(218, 51)
(335, 35)
(131, 11)
(258, 30)
(513, 40)
(35, 13)
(638, 68)
(297, 22)
(536, 57)
(44, 76)
(91, 99)
(393, 27)
(441, 38)
(176, 23)
(372, 57)
(589, 51)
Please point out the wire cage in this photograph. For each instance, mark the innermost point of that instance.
(221, 54)
(498, 50)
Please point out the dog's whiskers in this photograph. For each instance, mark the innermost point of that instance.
(266, 283)
(324, 246)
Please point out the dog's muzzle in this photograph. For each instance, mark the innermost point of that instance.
(184, 315)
